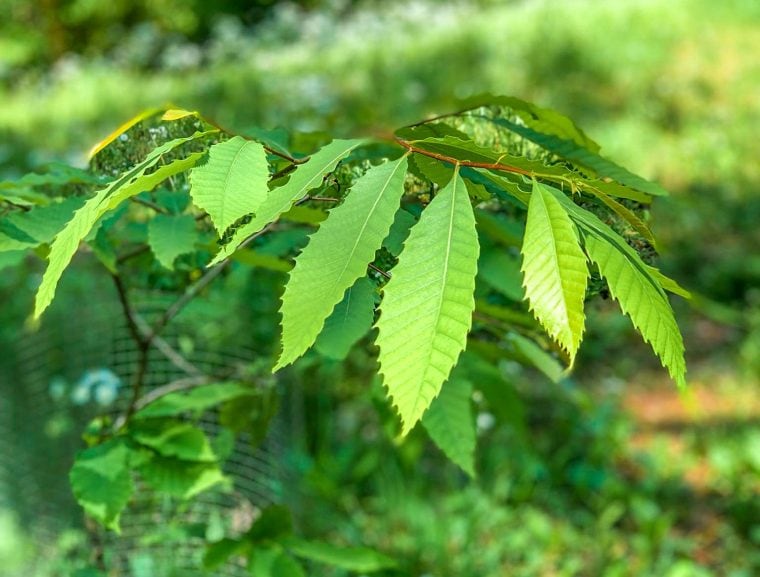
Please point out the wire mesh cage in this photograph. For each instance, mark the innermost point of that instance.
(79, 364)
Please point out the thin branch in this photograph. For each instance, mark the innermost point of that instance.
(136, 251)
(150, 204)
(269, 149)
(129, 313)
(382, 272)
(166, 349)
(194, 289)
(451, 160)
(141, 341)
(19, 206)
(158, 392)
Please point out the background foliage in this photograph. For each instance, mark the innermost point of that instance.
(672, 493)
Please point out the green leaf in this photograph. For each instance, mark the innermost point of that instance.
(304, 178)
(261, 561)
(431, 169)
(57, 175)
(555, 270)
(628, 215)
(171, 235)
(274, 523)
(195, 400)
(180, 478)
(286, 566)
(218, 552)
(583, 157)
(544, 120)
(359, 559)
(503, 399)
(131, 183)
(233, 183)
(668, 283)
(251, 414)
(349, 321)
(642, 299)
(450, 422)
(174, 439)
(402, 224)
(337, 255)
(11, 258)
(529, 353)
(427, 308)
(38, 225)
(501, 272)
(101, 481)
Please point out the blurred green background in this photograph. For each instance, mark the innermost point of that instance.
(615, 472)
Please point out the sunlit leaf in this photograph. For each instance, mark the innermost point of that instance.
(427, 306)
(555, 270)
(337, 255)
(233, 183)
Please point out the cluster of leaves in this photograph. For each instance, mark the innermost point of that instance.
(437, 237)
(163, 444)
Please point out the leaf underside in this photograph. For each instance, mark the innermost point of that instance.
(555, 270)
(427, 307)
(233, 183)
(338, 254)
(305, 177)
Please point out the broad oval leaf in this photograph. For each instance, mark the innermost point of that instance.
(180, 478)
(174, 439)
(101, 481)
(555, 270)
(450, 422)
(233, 183)
(426, 312)
(304, 178)
(170, 235)
(337, 255)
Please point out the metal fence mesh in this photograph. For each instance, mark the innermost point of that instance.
(43, 410)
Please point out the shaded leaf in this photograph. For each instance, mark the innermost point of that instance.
(170, 236)
(501, 272)
(38, 225)
(218, 552)
(402, 224)
(101, 481)
(195, 400)
(349, 321)
(178, 478)
(358, 559)
(174, 439)
(450, 422)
